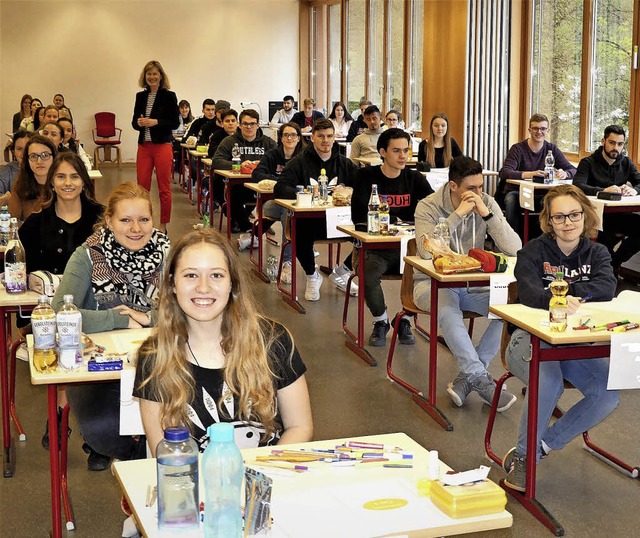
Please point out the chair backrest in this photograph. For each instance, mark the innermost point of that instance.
(512, 297)
(105, 124)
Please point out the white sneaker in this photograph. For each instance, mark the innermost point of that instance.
(285, 275)
(244, 241)
(312, 291)
(339, 276)
(315, 253)
(22, 353)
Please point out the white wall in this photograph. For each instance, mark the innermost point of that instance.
(93, 52)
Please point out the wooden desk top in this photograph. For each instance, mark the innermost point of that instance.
(197, 153)
(291, 206)
(187, 146)
(256, 188)
(368, 238)
(28, 298)
(426, 266)
(95, 174)
(627, 201)
(230, 174)
(534, 185)
(121, 341)
(337, 492)
(536, 321)
(207, 161)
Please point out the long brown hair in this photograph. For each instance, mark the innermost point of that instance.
(26, 185)
(590, 216)
(431, 148)
(246, 338)
(88, 187)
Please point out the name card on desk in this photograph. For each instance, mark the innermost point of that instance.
(624, 364)
(338, 216)
(526, 197)
(130, 418)
(499, 290)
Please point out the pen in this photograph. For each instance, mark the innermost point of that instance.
(374, 446)
(586, 298)
(398, 465)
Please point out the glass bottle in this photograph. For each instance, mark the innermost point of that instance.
(373, 216)
(15, 267)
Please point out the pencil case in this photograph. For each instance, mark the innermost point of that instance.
(468, 500)
(613, 196)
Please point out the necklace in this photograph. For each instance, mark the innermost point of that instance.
(192, 353)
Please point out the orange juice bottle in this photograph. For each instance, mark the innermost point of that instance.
(558, 303)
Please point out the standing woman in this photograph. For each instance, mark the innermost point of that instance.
(441, 149)
(155, 115)
(31, 188)
(25, 112)
(114, 278)
(341, 119)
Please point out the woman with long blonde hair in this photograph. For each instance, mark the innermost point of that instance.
(214, 358)
(440, 149)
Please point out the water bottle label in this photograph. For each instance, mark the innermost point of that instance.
(44, 333)
(373, 223)
(69, 329)
(69, 358)
(15, 276)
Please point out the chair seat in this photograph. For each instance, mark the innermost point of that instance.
(108, 142)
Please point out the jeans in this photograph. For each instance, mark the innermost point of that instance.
(96, 407)
(376, 264)
(589, 376)
(160, 157)
(472, 361)
(276, 212)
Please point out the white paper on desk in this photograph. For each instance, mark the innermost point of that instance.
(404, 241)
(627, 301)
(130, 419)
(526, 197)
(624, 364)
(338, 216)
(598, 205)
(499, 290)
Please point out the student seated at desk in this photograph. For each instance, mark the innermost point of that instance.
(403, 188)
(307, 116)
(114, 278)
(215, 358)
(364, 145)
(71, 144)
(439, 149)
(341, 119)
(568, 221)
(9, 171)
(471, 215)
(608, 170)
(358, 125)
(253, 144)
(27, 123)
(285, 114)
(197, 126)
(321, 153)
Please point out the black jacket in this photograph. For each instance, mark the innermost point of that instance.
(299, 117)
(165, 110)
(595, 173)
(271, 165)
(356, 128)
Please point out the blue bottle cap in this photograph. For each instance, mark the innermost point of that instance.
(178, 433)
(221, 432)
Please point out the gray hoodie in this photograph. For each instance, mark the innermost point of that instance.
(466, 232)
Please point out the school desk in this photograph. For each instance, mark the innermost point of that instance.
(262, 195)
(197, 156)
(231, 179)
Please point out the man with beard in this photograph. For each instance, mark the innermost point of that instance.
(608, 170)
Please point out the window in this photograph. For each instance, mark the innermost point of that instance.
(376, 52)
(355, 53)
(414, 114)
(335, 54)
(395, 74)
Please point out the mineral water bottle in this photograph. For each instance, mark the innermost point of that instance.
(5, 226)
(384, 217)
(549, 168)
(323, 187)
(178, 502)
(272, 267)
(441, 230)
(373, 216)
(558, 303)
(235, 158)
(15, 267)
(43, 324)
(69, 324)
(223, 471)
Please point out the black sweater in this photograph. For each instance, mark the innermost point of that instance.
(438, 156)
(271, 165)
(595, 173)
(165, 110)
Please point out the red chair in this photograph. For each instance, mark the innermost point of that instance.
(106, 136)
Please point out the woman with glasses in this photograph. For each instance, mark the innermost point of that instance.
(25, 112)
(341, 119)
(31, 187)
(568, 221)
(440, 149)
(155, 115)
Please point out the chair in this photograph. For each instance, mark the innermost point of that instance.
(409, 308)
(594, 449)
(106, 136)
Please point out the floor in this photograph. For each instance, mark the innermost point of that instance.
(349, 398)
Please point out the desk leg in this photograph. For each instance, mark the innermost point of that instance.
(291, 297)
(357, 346)
(525, 227)
(54, 460)
(198, 189)
(182, 178)
(7, 463)
(429, 403)
(229, 188)
(259, 271)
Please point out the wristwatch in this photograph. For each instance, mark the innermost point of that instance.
(489, 216)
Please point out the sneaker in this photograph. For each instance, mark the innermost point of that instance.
(315, 253)
(459, 389)
(285, 275)
(312, 291)
(378, 336)
(405, 334)
(507, 459)
(339, 276)
(244, 241)
(517, 473)
(22, 353)
(96, 461)
(485, 387)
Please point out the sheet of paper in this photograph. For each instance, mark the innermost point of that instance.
(499, 290)
(624, 364)
(526, 197)
(130, 419)
(338, 216)
(599, 207)
(404, 241)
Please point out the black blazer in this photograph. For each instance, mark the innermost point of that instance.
(165, 110)
(299, 117)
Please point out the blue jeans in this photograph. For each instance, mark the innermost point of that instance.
(472, 361)
(589, 376)
(276, 212)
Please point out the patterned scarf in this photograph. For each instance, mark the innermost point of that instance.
(121, 276)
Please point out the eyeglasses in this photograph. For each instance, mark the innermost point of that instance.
(290, 136)
(44, 156)
(249, 125)
(539, 129)
(576, 216)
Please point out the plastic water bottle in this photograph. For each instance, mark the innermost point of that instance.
(69, 324)
(43, 324)
(441, 230)
(223, 471)
(549, 168)
(558, 303)
(272, 268)
(323, 187)
(178, 501)
(373, 216)
(5, 226)
(15, 266)
(235, 158)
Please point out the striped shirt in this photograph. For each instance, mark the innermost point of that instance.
(151, 98)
